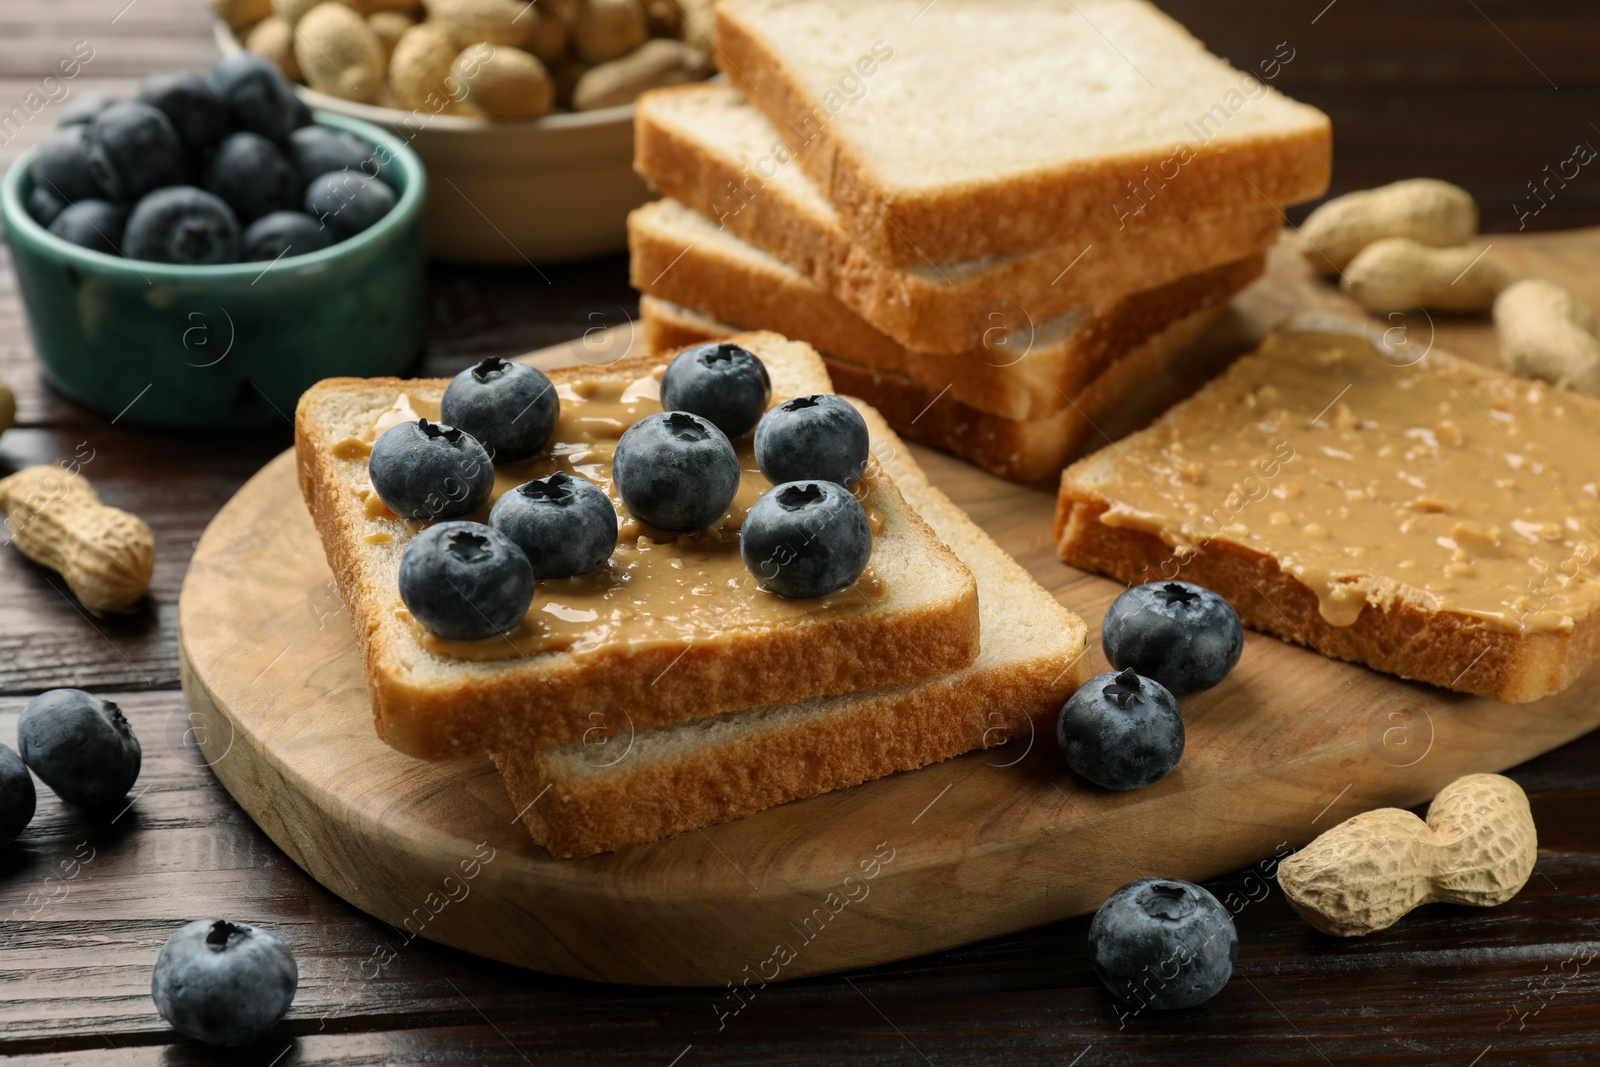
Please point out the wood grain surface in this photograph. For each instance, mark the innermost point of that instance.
(1444, 87)
(1289, 744)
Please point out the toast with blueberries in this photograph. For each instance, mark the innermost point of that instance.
(578, 799)
(1023, 450)
(707, 148)
(466, 551)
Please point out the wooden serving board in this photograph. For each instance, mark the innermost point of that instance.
(989, 843)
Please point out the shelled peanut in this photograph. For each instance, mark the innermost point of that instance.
(1478, 846)
(496, 59)
(55, 517)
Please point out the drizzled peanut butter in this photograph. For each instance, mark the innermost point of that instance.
(1457, 489)
(659, 588)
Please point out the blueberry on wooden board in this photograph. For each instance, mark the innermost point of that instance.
(1121, 731)
(1183, 635)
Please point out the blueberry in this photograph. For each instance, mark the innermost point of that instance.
(812, 437)
(17, 798)
(1161, 943)
(1183, 635)
(348, 201)
(427, 470)
(253, 175)
(62, 166)
(1121, 731)
(80, 746)
(82, 111)
(182, 224)
(511, 407)
(566, 526)
(223, 983)
(806, 539)
(675, 470)
(191, 103)
(465, 580)
(44, 206)
(719, 381)
(317, 150)
(94, 224)
(282, 234)
(134, 149)
(257, 96)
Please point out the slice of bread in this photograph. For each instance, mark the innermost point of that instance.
(1436, 520)
(921, 621)
(1027, 450)
(681, 256)
(705, 146)
(967, 128)
(577, 800)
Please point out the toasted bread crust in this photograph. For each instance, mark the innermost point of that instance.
(1031, 450)
(553, 698)
(1444, 648)
(1049, 367)
(973, 220)
(836, 742)
(916, 725)
(922, 310)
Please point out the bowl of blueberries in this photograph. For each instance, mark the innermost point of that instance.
(199, 256)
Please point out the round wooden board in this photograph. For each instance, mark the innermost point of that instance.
(989, 843)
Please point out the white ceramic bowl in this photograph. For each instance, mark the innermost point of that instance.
(555, 188)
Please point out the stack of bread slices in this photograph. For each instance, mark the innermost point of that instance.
(995, 218)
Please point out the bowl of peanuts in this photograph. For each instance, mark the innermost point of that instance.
(521, 110)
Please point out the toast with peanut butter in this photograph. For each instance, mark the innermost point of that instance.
(1429, 518)
(1022, 450)
(669, 629)
(579, 799)
(706, 147)
(681, 256)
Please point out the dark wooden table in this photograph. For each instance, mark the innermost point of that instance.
(1482, 92)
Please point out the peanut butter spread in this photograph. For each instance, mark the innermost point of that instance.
(659, 587)
(1454, 488)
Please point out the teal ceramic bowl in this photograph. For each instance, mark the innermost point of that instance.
(224, 347)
